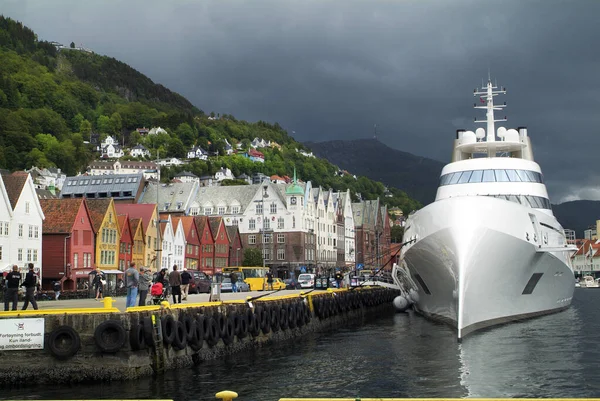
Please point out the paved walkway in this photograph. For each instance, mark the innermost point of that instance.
(120, 301)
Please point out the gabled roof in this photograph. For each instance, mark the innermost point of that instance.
(94, 184)
(215, 223)
(60, 214)
(201, 224)
(358, 213)
(14, 184)
(163, 226)
(97, 209)
(187, 222)
(137, 211)
(232, 232)
(135, 223)
(4, 197)
(123, 220)
(228, 195)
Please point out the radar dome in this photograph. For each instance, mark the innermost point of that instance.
(501, 132)
(512, 135)
(480, 133)
(468, 137)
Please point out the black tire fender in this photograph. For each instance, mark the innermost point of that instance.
(188, 323)
(211, 332)
(199, 327)
(229, 331)
(243, 330)
(292, 316)
(110, 336)
(275, 319)
(283, 317)
(222, 321)
(180, 340)
(136, 336)
(64, 342)
(168, 327)
(265, 321)
(148, 337)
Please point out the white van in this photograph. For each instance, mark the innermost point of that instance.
(306, 280)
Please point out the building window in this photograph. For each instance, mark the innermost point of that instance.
(27, 207)
(87, 260)
(75, 260)
(281, 238)
(280, 223)
(266, 254)
(0, 252)
(20, 255)
(29, 255)
(273, 208)
(235, 209)
(30, 231)
(266, 238)
(252, 239)
(20, 230)
(293, 221)
(267, 224)
(194, 211)
(281, 254)
(6, 228)
(252, 224)
(222, 209)
(36, 232)
(259, 208)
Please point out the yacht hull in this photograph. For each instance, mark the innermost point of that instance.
(480, 261)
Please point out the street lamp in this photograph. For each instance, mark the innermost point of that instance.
(264, 196)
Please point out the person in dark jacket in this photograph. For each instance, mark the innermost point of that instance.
(12, 288)
(186, 278)
(175, 283)
(29, 284)
(56, 288)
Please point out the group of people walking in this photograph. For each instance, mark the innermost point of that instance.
(12, 284)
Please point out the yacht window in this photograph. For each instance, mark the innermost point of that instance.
(488, 176)
(464, 177)
(476, 176)
(501, 176)
(513, 176)
(514, 198)
(444, 180)
(454, 178)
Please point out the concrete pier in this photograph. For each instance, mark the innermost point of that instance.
(92, 340)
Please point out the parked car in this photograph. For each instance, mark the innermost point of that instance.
(278, 284)
(290, 284)
(306, 280)
(226, 284)
(200, 283)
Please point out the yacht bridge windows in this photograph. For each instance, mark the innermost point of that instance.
(536, 202)
(496, 175)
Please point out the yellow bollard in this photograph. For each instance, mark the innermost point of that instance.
(108, 302)
(226, 395)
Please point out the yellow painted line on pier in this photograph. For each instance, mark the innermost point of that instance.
(107, 308)
(436, 399)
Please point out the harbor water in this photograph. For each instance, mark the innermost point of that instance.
(395, 355)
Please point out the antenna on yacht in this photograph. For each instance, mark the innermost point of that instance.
(486, 95)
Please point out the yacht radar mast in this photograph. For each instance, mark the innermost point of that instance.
(486, 95)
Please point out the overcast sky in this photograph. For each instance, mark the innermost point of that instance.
(333, 69)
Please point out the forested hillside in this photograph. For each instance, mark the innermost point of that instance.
(54, 102)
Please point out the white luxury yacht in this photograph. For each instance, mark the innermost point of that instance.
(488, 250)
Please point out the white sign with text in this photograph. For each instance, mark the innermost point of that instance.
(18, 334)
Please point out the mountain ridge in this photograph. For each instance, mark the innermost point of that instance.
(418, 176)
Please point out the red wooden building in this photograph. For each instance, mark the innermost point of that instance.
(206, 256)
(236, 250)
(67, 241)
(192, 247)
(126, 245)
(221, 255)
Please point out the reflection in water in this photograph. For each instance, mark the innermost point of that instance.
(397, 355)
(542, 357)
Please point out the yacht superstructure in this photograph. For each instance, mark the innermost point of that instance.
(488, 250)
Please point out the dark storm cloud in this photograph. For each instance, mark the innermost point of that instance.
(333, 69)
